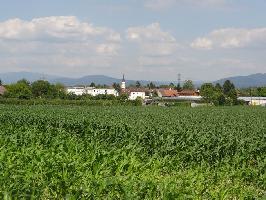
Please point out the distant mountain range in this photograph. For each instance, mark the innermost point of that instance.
(253, 80)
(13, 77)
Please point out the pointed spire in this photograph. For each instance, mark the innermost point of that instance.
(123, 83)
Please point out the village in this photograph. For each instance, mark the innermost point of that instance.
(136, 92)
(149, 95)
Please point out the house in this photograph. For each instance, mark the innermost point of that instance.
(167, 93)
(189, 93)
(2, 90)
(134, 93)
(101, 91)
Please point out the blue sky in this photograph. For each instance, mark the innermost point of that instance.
(145, 39)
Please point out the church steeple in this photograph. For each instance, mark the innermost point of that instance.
(123, 83)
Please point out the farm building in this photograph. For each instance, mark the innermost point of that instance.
(92, 91)
(167, 93)
(254, 101)
(76, 90)
(134, 93)
(174, 93)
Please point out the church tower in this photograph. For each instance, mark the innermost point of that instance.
(123, 83)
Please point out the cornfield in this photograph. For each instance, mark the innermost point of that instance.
(71, 152)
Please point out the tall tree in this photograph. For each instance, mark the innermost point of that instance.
(138, 84)
(218, 87)
(188, 85)
(24, 81)
(41, 88)
(230, 92)
(19, 90)
(117, 87)
(228, 87)
(151, 85)
(1, 82)
(207, 91)
(92, 84)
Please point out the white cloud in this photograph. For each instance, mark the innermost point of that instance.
(152, 40)
(232, 38)
(163, 4)
(55, 27)
(60, 42)
(202, 43)
(151, 33)
(108, 49)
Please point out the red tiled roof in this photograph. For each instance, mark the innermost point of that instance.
(169, 93)
(188, 93)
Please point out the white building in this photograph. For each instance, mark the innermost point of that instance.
(133, 95)
(92, 91)
(254, 101)
(76, 90)
(98, 91)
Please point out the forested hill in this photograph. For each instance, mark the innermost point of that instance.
(254, 80)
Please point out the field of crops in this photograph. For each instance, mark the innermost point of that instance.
(56, 152)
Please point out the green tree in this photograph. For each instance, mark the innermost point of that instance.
(60, 90)
(212, 94)
(207, 91)
(151, 85)
(92, 84)
(24, 81)
(261, 91)
(1, 82)
(228, 87)
(41, 88)
(117, 87)
(218, 87)
(123, 97)
(172, 85)
(138, 101)
(19, 90)
(188, 85)
(138, 84)
(230, 93)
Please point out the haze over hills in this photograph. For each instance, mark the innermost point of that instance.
(13, 77)
(253, 80)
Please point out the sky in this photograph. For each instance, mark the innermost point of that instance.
(144, 39)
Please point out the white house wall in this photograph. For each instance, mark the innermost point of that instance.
(92, 91)
(135, 95)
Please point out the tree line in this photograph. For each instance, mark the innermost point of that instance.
(42, 89)
(219, 95)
